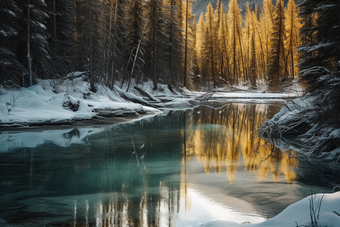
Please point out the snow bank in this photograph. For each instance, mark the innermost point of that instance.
(52, 101)
(325, 214)
(252, 95)
(294, 120)
(58, 101)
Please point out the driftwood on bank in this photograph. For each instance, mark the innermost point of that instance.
(205, 97)
(133, 99)
(145, 94)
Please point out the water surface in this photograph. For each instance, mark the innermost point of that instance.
(180, 168)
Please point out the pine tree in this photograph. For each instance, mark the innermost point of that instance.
(235, 37)
(118, 57)
(189, 36)
(217, 21)
(10, 68)
(267, 22)
(260, 32)
(276, 67)
(90, 27)
(175, 43)
(253, 53)
(200, 43)
(33, 47)
(293, 25)
(157, 42)
(223, 35)
(61, 38)
(136, 36)
(252, 61)
(320, 65)
(108, 63)
(210, 53)
(248, 35)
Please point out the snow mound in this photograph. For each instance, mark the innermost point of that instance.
(53, 101)
(324, 213)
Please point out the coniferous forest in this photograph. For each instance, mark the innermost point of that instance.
(115, 41)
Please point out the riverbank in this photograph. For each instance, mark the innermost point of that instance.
(64, 102)
(315, 210)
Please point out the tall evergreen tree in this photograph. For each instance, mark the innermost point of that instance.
(136, 36)
(90, 38)
(10, 68)
(267, 22)
(235, 37)
(200, 43)
(61, 38)
(157, 42)
(33, 48)
(276, 67)
(175, 43)
(217, 21)
(293, 25)
(223, 35)
(320, 65)
(253, 53)
(248, 33)
(210, 42)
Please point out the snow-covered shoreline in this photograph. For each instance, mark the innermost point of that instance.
(319, 210)
(65, 101)
(45, 104)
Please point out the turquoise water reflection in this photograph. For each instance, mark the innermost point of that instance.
(153, 172)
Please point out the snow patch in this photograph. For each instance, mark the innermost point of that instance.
(61, 100)
(299, 214)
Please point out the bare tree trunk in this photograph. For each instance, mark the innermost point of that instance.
(55, 24)
(234, 53)
(29, 43)
(169, 80)
(91, 50)
(262, 53)
(108, 61)
(212, 50)
(114, 46)
(135, 59)
(186, 44)
(154, 35)
(241, 47)
(226, 54)
(291, 46)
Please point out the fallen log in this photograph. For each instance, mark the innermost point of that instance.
(145, 94)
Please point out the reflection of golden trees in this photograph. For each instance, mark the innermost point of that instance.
(219, 137)
(146, 211)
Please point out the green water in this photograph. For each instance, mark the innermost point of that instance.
(179, 168)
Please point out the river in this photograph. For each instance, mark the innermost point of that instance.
(179, 168)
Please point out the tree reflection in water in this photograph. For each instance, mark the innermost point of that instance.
(220, 137)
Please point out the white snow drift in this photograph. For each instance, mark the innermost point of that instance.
(321, 210)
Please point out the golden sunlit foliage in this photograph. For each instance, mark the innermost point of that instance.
(277, 68)
(232, 50)
(293, 25)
